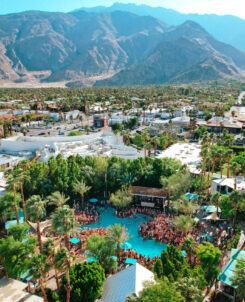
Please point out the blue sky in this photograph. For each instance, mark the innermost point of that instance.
(220, 7)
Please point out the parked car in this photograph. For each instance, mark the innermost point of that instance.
(41, 133)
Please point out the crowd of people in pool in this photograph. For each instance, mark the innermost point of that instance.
(132, 212)
(162, 228)
(89, 215)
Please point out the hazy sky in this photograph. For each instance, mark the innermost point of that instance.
(220, 7)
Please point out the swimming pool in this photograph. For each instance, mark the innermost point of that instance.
(146, 248)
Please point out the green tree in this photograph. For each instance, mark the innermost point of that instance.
(7, 208)
(81, 188)
(15, 255)
(101, 248)
(35, 211)
(235, 199)
(117, 235)
(58, 199)
(49, 252)
(12, 184)
(238, 280)
(63, 221)
(189, 246)
(188, 287)
(184, 224)
(86, 280)
(62, 262)
(215, 200)
(209, 257)
(163, 291)
(38, 268)
(122, 198)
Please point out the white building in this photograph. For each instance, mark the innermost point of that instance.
(100, 143)
(121, 285)
(188, 154)
(227, 185)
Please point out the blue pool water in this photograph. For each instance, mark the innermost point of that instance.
(149, 248)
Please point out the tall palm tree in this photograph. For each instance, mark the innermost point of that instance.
(117, 234)
(215, 155)
(148, 147)
(62, 262)
(221, 156)
(185, 205)
(189, 245)
(63, 221)
(35, 211)
(38, 268)
(184, 224)
(58, 199)
(81, 188)
(49, 252)
(155, 142)
(215, 200)
(228, 157)
(204, 154)
(21, 176)
(12, 184)
(235, 168)
(235, 199)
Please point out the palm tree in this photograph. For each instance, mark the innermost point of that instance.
(62, 261)
(87, 128)
(235, 199)
(21, 176)
(58, 199)
(49, 252)
(148, 147)
(117, 234)
(12, 183)
(155, 142)
(189, 245)
(184, 224)
(215, 200)
(38, 268)
(81, 188)
(235, 168)
(35, 211)
(228, 157)
(63, 221)
(185, 205)
(221, 156)
(204, 154)
(215, 155)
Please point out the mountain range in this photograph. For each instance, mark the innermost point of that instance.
(110, 48)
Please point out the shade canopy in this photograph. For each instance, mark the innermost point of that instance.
(191, 196)
(92, 259)
(130, 261)
(126, 245)
(214, 216)
(93, 200)
(74, 240)
(183, 253)
(228, 272)
(211, 209)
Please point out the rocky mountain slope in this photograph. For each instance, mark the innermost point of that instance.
(228, 29)
(117, 48)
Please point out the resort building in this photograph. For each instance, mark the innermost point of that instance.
(149, 197)
(187, 154)
(123, 284)
(103, 143)
(225, 277)
(225, 186)
(218, 124)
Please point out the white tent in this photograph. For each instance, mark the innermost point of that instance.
(213, 216)
(121, 285)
